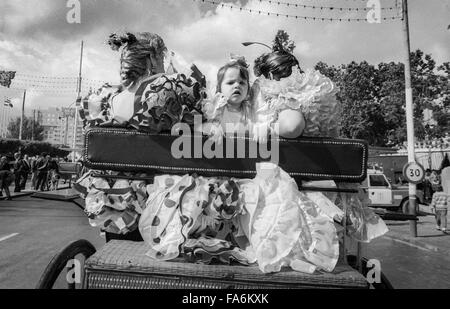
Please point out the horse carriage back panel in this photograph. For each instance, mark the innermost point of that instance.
(306, 158)
(123, 264)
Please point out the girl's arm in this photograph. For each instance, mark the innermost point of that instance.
(291, 123)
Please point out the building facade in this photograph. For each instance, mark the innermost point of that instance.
(6, 116)
(58, 126)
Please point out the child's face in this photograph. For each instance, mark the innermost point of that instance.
(234, 87)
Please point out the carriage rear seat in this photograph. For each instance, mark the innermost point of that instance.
(123, 264)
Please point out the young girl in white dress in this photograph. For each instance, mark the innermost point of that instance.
(301, 103)
(291, 103)
(279, 225)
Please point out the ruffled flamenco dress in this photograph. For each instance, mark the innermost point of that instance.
(314, 95)
(265, 220)
(157, 104)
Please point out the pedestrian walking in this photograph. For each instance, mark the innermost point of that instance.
(439, 204)
(25, 171)
(6, 177)
(434, 180)
(53, 174)
(42, 171)
(18, 171)
(33, 166)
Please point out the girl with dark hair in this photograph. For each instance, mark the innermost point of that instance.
(147, 99)
(291, 103)
(288, 101)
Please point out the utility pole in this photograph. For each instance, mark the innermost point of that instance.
(32, 125)
(75, 124)
(409, 116)
(22, 115)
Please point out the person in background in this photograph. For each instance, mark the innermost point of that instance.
(33, 162)
(427, 189)
(434, 180)
(439, 204)
(25, 171)
(18, 171)
(42, 171)
(53, 174)
(5, 177)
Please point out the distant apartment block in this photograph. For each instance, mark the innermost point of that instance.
(5, 117)
(58, 126)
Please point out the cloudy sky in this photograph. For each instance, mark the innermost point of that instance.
(37, 41)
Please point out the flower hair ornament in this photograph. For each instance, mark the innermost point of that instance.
(281, 43)
(117, 40)
(278, 62)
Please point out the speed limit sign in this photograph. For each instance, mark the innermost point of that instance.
(414, 172)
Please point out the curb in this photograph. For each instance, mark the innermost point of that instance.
(16, 195)
(420, 244)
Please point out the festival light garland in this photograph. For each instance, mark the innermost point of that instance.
(322, 7)
(314, 18)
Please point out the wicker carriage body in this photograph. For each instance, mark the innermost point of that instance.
(123, 264)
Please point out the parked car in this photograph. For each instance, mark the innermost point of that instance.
(383, 194)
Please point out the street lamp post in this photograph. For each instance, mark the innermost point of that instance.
(22, 115)
(75, 124)
(409, 116)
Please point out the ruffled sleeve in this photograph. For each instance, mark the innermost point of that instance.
(322, 110)
(96, 108)
(165, 101)
(312, 93)
(213, 108)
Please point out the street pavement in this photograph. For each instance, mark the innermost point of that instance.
(33, 230)
(421, 262)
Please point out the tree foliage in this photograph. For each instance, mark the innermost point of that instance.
(373, 98)
(30, 129)
(9, 146)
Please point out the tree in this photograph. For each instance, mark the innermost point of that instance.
(37, 132)
(373, 98)
(358, 94)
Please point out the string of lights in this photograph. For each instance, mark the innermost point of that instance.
(54, 80)
(43, 77)
(45, 82)
(36, 86)
(322, 7)
(52, 91)
(304, 17)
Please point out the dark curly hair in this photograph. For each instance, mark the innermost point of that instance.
(277, 64)
(142, 54)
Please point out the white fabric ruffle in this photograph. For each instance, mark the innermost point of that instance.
(311, 92)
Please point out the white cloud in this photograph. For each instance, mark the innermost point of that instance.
(36, 39)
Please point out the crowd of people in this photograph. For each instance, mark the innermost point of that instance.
(41, 170)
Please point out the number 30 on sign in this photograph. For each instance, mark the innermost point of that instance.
(414, 172)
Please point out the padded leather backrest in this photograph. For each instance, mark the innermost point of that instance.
(304, 158)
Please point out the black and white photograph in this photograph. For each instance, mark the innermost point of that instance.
(203, 145)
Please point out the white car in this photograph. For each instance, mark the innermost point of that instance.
(384, 195)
